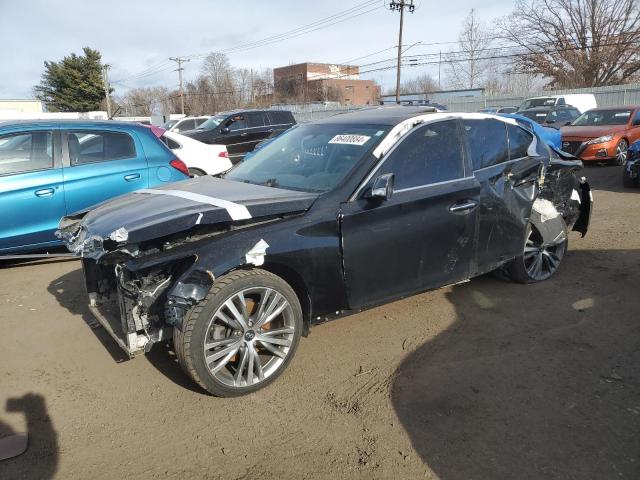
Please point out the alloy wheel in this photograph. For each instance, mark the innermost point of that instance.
(621, 152)
(542, 260)
(249, 337)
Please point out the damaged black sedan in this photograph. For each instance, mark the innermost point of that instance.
(328, 219)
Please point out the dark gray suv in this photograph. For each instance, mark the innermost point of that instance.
(242, 130)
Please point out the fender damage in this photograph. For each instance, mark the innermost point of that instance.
(142, 272)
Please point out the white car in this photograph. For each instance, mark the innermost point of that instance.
(201, 159)
(184, 124)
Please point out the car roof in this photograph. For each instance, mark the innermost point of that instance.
(617, 107)
(549, 108)
(383, 115)
(51, 123)
(249, 110)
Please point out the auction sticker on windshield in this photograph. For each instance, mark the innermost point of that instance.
(350, 139)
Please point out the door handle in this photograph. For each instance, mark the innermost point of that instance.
(132, 177)
(464, 206)
(244, 134)
(45, 192)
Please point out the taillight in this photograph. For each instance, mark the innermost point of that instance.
(223, 154)
(179, 165)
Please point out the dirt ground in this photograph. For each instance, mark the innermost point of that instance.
(484, 380)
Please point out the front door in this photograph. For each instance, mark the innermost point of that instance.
(31, 189)
(507, 172)
(424, 235)
(100, 165)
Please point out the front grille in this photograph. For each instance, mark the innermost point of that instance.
(571, 147)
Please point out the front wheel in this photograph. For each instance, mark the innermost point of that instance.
(196, 172)
(242, 336)
(539, 260)
(621, 152)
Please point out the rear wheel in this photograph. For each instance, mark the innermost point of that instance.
(196, 172)
(243, 335)
(539, 260)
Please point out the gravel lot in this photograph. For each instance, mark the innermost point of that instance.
(484, 380)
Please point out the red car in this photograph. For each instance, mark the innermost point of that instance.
(603, 134)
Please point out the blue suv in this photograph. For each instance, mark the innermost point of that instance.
(49, 169)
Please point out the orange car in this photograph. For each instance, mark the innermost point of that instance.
(603, 134)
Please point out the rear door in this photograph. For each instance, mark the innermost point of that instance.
(424, 235)
(101, 164)
(31, 188)
(508, 176)
(258, 129)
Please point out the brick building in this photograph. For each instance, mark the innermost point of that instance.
(322, 82)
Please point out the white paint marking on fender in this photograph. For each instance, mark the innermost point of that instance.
(235, 210)
(575, 196)
(257, 253)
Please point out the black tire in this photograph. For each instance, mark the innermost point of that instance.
(621, 153)
(189, 342)
(196, 172)
(518, 269)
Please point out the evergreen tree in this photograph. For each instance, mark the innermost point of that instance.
(73, 84)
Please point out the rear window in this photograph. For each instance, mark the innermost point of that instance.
(255, 119)
(488, 142)
(280, 117)
(94, 146)
(25, 152)
(519, 142)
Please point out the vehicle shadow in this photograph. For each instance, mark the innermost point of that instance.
(532, 381)
(40, 460)
(70, 293)
(606, 177)
(164, 360)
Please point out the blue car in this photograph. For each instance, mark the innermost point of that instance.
(551, 136)
(49, 169)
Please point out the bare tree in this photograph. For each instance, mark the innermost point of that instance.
(423, 83)
(145, 101)
(467, 67)
(577, 43)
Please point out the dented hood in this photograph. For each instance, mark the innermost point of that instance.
(153, 213)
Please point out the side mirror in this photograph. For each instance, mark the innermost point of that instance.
(225, 130)
(382, 187)
(566, 124)
(177, 130)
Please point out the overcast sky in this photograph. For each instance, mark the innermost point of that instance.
(136, 37)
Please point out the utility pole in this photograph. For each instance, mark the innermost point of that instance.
(439, 68)
(400, 5)
(180, 61)
(107, 88)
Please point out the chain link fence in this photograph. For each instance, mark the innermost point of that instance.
(304, 113)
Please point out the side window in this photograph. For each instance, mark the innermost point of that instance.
(280, 118)
(561, 101)
(487, 142)
(199, 121)
(431, 154)
(94, 146)
(25, 152)
(255, 119)
(172, 144)
(188, 125)
(519, 142)
(236, 123)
